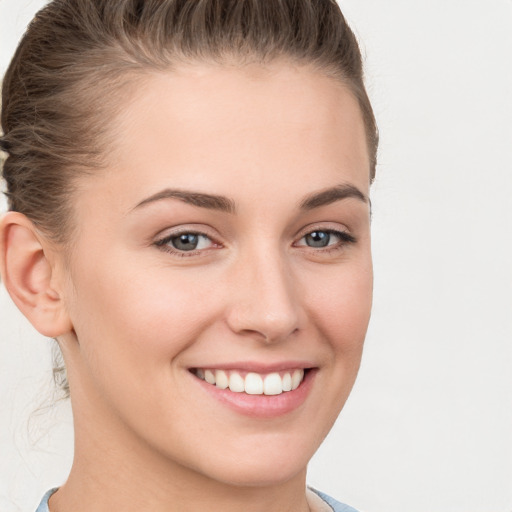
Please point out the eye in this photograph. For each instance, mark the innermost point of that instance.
(318, 239)
(185, 242)
(321, 238)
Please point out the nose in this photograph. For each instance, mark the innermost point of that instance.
(264, 303)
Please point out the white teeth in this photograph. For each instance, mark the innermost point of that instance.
(253, 383)
(209, 377)
(297, 377)
(287, 382)
(221, 379)
(273, 384)
(236, 383)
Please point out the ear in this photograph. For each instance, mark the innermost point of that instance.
(30, 275)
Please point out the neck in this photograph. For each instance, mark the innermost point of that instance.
(115, 473)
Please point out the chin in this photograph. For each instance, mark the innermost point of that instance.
(261, 474)
(258, 466)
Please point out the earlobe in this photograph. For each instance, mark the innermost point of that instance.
(28, 275)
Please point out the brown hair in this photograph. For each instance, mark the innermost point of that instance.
(78, 57)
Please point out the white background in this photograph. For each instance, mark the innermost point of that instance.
(429, 424)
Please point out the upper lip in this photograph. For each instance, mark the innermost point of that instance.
(256, 367)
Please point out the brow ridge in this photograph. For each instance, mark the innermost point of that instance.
(331, 195)
(224, 204)
(199, 199)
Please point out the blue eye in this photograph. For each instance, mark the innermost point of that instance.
(321, 238)
(318, 239)
(186, 242)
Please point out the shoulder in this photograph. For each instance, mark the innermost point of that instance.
(335, 505)
(43, 506)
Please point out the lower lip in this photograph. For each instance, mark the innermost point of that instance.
(262, 406)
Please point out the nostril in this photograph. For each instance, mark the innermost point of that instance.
(264, 305)
(267, 335)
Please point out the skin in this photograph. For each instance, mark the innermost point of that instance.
(132, 318)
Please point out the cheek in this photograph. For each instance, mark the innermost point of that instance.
(339, 311)
(139, 318)
(342, 306)
(132, 328)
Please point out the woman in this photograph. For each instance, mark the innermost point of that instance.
(189, 217)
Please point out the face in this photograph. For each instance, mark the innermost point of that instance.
(220, 282)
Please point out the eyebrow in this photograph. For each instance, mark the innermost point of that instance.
(209, 201)
(224, 204)
(331, 195)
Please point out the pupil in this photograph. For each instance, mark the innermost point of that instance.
(318, 239)
(186, 242)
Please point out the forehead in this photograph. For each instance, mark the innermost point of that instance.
(206, 125)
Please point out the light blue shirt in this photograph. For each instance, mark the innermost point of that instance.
(43, 506)
(335, 505)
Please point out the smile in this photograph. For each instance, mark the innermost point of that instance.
(252, 383)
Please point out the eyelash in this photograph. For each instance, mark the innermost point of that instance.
(345, 239)
(164, 243)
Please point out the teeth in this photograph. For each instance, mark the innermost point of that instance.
(273, 384)
(287, 382)
(297, 377)
(253, 383)
(221, 379)
(209, 377)
(236, 383)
